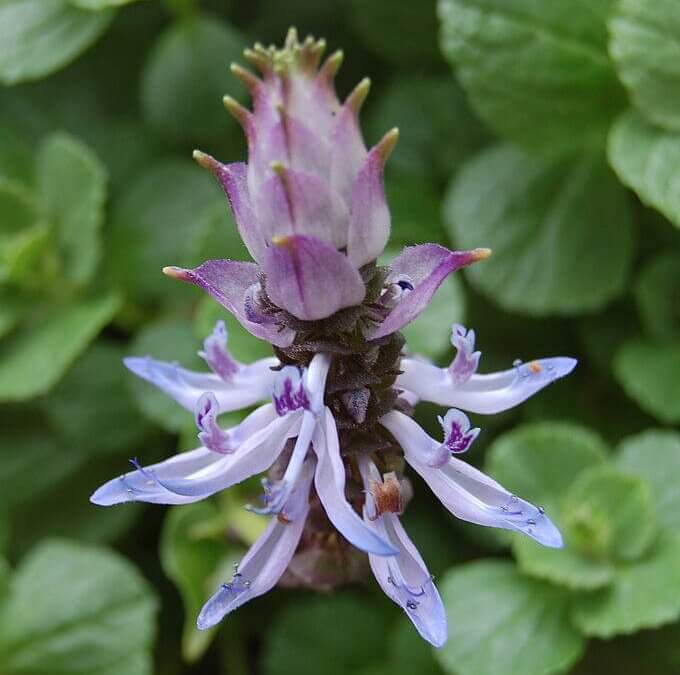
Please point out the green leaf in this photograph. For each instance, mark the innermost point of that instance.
(658, 300)
(296, 644)
(609, 515)
(36, 357)
(72, 183)
(649, 374)
(191, 561)
(644, 594)
(186, 76)
(38, 37)
(11, 311)
(160, 219)
(536, 72)
(562, 566)
(644, 158)
(380, 24)
(503, 622)
(438, 131)
(91, 408)
(540, 461)
(16, 160)
(655, 456)
(645, 45)
(77, 609)
(19, 209)
(34, 459)
(561, 231)
(99, 5)
(166, 340)
(408, 653)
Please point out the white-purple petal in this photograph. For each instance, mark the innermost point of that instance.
(250, 385)
(484, 394)
(425, 266)
(404, 578)
(255, 455)
(458, 437)
(310, 278)
(267, 559)
(468, 493)
(329, 481)
(466, 361)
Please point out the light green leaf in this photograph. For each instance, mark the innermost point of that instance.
(161, 219)
(561, 231)
(609, 515)
(191, 561)
(185, 77)
(38, 37)
(91, 408)
(11, 311)
(645, 45)
(645, 594)
(296, 644)
(562, 566)
(540, 461)
(415, 210)
(166, 340)
(657, 296)
(655, 456)
(644, 158)
(77, 609)
(380, 24)
(72, 183)
(507, 623)
(408, 653)
(535, 71)
(438, 131)
(649, 374)
(35, 358)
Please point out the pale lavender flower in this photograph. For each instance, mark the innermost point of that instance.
(335, 401)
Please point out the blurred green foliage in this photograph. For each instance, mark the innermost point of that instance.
(549, 132)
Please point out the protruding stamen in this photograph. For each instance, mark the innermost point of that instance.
(386, 145)
(330, 67)
(241, 114)
(356, 99)
(250, 80)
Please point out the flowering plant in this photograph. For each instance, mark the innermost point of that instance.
(310, 207)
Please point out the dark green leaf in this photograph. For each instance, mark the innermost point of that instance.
(502, 622)
(535, 71)
(34, 359)
(38, 37)
(77, 609)
(645, 44)
(645, 157)
(561, 231)
(655, 456)
(72, 183)
(649, 373)
(186, 76)
(658, 300)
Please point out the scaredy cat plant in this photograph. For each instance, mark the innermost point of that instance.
(334, 423)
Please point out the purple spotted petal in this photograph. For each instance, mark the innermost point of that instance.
(310, 278)
(228, 282)
(425, 266)
(486, 394)
(289, 393)
(329, 481)
(458, 437)
(250, 385)
(404, 578)
(266, 560)
(369, 227)
(468, 493)
(216, 354)
(466, 362)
